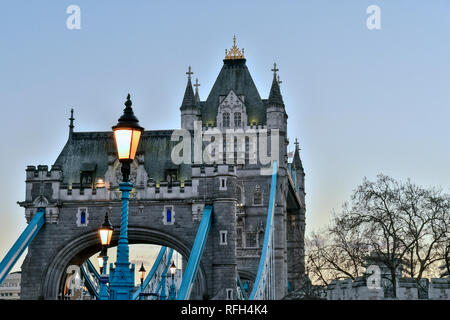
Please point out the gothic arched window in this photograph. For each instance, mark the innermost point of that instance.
(226, 120)
(237, 119)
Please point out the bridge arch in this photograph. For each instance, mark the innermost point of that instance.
(81, 248)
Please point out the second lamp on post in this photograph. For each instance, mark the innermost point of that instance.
(172, 291)
(127, 134)
(105, 232)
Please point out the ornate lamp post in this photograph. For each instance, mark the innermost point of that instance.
(127, 134)
(172, 291)
(105, 232)
(142, 276)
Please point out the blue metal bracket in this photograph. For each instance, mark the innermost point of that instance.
(196, 255)
(22, 243)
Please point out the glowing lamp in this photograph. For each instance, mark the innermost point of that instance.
(105, 232)
(142, 272)
(173, 268)
(127, 134)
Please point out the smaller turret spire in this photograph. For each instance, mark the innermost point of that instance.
(189, 97)
(297, 161)
(275, 97)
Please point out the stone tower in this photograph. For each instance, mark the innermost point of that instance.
(169, 197)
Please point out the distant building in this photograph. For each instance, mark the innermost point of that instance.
(367, 288)
(10, 287)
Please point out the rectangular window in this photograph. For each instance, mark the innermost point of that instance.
(229, 294)
(223, 237)
(223, 184)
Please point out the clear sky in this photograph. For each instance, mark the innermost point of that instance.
(360, 101)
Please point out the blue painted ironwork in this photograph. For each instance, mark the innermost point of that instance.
(121, 279)
(242, 290)
(196, 255)
(263, 288)
(151, 274)
(172, 291)
(163, 295)
(22, 243)
(92, 270)
(162, 284)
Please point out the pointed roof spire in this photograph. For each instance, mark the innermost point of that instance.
(196, 85)
(297, 161)
(71, 126)
(275, 97)
(189, 98)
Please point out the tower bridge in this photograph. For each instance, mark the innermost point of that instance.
(240, 232)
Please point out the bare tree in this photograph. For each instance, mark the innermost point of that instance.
(334, 254)
(406, 227)
(403, 224)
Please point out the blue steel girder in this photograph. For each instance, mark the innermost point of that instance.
(264, 274)
(196, 255)
(22, 243)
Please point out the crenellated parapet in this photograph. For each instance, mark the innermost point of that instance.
(42, 186)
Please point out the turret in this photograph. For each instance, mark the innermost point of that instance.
(190, 111)
(298, 170)
(277, 117)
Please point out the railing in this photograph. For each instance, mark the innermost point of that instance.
(196, 255)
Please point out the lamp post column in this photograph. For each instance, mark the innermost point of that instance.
(122, 276)
(163, 295)
(104, 280)
(172, 293)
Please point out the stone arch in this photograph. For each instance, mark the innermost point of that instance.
(81, 248)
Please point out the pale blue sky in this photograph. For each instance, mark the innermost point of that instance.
(360, 102)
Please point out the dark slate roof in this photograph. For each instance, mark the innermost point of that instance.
(234, 76)
(275, 97)
(91, 149)
(189, 97)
